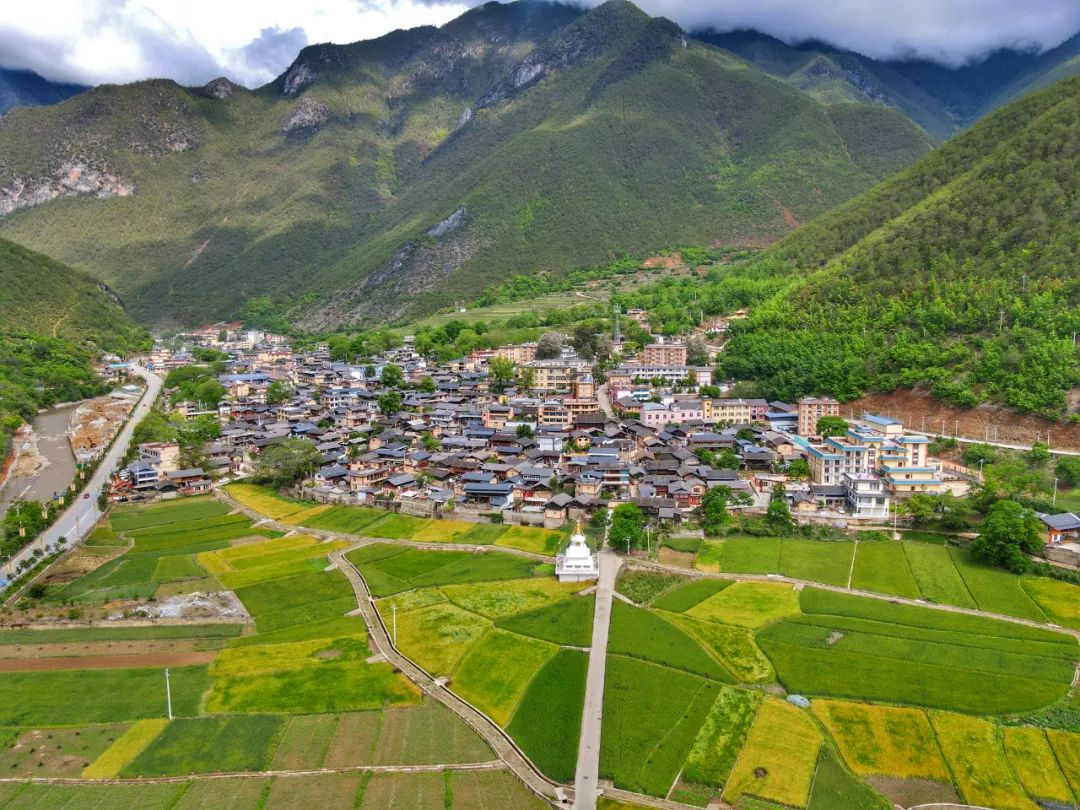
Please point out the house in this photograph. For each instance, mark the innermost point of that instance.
(1061, 528)
(188, 482)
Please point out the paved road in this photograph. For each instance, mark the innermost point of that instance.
(604, 401)
(80, 517)
(588, 763)
(965, 440)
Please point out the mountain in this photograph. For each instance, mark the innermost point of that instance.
(54, 321)
(940, 98)
(22, 88)
(385, 178)
(957, 274)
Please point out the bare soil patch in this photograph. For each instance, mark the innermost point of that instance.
(912, 792)
(683, 559)
(106, 648)
(179, 659)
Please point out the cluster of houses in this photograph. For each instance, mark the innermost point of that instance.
(542, 454)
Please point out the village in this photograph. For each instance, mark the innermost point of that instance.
(534, 440)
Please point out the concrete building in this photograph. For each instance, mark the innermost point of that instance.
(811, 409)
(663, 354)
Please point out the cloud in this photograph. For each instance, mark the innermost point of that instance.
(268, 53)
(251, 41)
(949, 31)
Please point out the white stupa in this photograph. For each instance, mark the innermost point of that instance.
(577, 563)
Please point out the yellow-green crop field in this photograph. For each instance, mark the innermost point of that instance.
(976, 757)
(777, 763)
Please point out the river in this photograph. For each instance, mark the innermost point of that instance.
(58, 467)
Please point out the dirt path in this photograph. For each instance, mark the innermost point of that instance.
(491, 732)
(178, 659)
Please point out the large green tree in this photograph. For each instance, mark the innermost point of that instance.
(287, 462)
(1006, 534)
(627, 527)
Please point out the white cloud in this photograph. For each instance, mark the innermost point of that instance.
(192, 41)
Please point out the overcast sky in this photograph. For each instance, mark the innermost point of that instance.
(251, 41)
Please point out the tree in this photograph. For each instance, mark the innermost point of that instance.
(799, 469)
(627, 527)
(550, 345)
(278, 392)
(392, 376)
(713, 509)
(831, 426)
(500, 373)
(979, 453)
(527, 378)
(209, 393)
(524, 432)
(697, 352)
(778, 515)
(920, 507)
(429, 441)
(427, 384)
(1038, 455)
(745, 434)
(954, 512)
(728, 459)
(389, 403)
(287, 462)
(1007, 531)
(1068, 471)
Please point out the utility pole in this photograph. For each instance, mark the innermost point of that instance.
(168, 695)
(395, 623)
(1054, 502)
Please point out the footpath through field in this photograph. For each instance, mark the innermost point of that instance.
(588, 763)
(499, 741)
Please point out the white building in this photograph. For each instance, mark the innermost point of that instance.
(577, 563)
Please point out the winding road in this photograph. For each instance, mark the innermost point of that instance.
(79, 518)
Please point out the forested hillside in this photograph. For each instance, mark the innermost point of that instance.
(53, 321)
(385, 178)
(958, 274)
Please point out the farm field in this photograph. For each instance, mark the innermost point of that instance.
(380, 523)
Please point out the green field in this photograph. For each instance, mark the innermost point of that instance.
(640, 633)
(81, 634)
(568, 622)
(816, 561)
(937, 577)
(392, 569)
(733, 646)
(298, 599)
(124, 518)
(686, 596)
(845, 646)
(210, 745)
(644, 586)
(67, 697)
(993, 589)
(882, 566)
(748, 604)
(547, 722)
(721, 737)
(652, 715)
(497, 670)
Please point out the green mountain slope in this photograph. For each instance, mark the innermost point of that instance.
(22, 88)
(53, 321)
(382, 179)
(958, 274)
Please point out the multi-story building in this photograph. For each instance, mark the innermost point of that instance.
(558, 374)
(517, 353)
(623, 378)
(811, 409)
(866, 496)
(663, 354)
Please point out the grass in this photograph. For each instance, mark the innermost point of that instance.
(640, 633)
(748, 604)
(125, 518)
(60, 697)
(497, 670)
(490, 789)
(853, 658)
(81, 634)
(547, 722)
(936, 575)
(733, 646)
(976, 758)
(332, 678)
(993, 589)
(528, 538)
(1067, 750)
(652, 715)
(882, 566)
(721, 737)
(686, 596)
(305, 742)
(438, 637)
(751, 555)
(1060, 601)
(126, 747)
(210, 745)
(644, 586)
(182, 566)
(568, 622)
(1028, 752)
(816, 560)
(428, 734)
(499, 600)
(57, 752)
(834, 787)
(314, 790)
(396, 526)
(299, 599)
(883, 740)
(778, 761)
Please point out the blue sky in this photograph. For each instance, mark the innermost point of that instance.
(251, 41)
